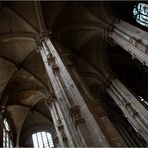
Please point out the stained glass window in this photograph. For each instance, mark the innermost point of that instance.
(140, 13)
(42, 140)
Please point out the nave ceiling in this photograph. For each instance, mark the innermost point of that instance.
(78, 26)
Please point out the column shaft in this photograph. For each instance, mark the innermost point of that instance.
(63, 103)
(54, 65)
(131, 107)
(132, 39)
(96, 109)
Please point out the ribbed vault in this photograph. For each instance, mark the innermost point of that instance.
(76, 26)
(23, 79)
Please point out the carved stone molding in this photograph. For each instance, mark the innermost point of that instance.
(38, 45)
(76, 114)
(61, 129)
(133, 41)
(51, 60)
(60, 125)
(52, 63)
(55, 68)
(109, 29)
(50, 99)
(108, 81)
(45, 33)
(2, 111)
(128, 105)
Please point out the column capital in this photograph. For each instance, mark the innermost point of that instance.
(42, 37)
(46, 33)
(109, 29)
(50, 99)
(38, 44)
(106, 84)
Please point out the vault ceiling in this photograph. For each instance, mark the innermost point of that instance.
(23, 79)
(78, 26)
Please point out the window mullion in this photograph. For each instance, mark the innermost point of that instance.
(37, 140)
(42, 139)
(47, 140)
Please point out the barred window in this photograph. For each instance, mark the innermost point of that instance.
(42, 140)
(140, 13)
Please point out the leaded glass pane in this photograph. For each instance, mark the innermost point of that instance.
(42, 140)
(140, 13)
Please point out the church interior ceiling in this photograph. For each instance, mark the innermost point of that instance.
(76, 26)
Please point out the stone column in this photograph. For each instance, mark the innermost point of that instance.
(68, 94)
(95, 119)
(81, 126)
(131, 107)
(56, 120)
(132, 39)
(94, 105)
(62, 104)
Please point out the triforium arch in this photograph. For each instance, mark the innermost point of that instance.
(61, 72)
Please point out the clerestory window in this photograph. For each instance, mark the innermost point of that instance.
(42, 140)
(7, 142)
(140, 13)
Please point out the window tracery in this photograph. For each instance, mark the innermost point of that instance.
(140, 13)
(42, 140)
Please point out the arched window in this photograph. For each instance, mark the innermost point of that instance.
(7, 142)
(140, 13)
(42, 140)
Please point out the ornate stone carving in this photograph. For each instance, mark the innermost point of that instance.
(52, 63)
(45, 33)
(109, 29)
(61, 129)
(50, 99)
(133, 41)
(60, 125)
(51, 60)
(2, 111)
(108, 81)
(76, 114)
(55, 68)
(38, 45)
